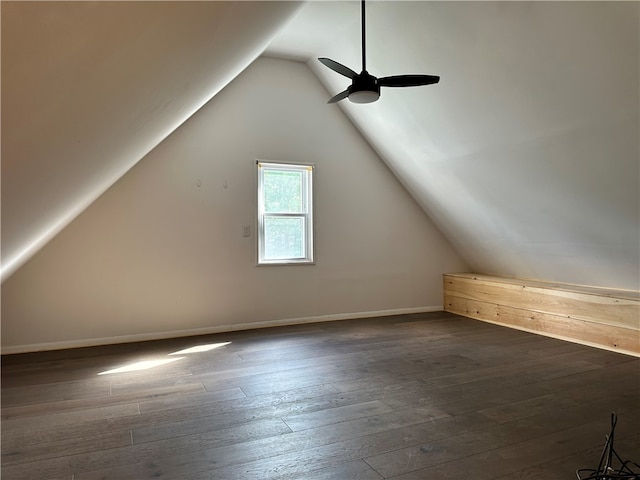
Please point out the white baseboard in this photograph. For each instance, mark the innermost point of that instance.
(144, 337)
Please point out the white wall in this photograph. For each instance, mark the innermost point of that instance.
(162, 252)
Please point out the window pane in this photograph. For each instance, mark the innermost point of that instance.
(284, 238)
(283, 191)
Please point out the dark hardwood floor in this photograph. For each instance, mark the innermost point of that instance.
(425, 396)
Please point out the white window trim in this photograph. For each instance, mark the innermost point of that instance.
(308, 201)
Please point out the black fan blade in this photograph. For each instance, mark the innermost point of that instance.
(338, 67)
(339, 96)
(408, 80)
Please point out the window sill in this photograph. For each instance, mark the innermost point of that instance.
(280, 263)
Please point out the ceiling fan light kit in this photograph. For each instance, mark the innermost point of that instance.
(365, 88)
(364, 96)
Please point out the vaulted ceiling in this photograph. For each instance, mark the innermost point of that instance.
(526, 153)
(89, 88)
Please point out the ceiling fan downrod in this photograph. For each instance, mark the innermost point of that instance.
(364, 40)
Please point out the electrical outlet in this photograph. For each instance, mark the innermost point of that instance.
(246, 231)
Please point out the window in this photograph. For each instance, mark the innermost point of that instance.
(285, 223)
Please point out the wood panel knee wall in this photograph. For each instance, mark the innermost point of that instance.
(599, 317)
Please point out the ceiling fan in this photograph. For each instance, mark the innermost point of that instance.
(365, 88)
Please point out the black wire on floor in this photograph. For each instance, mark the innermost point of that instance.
(623, 470)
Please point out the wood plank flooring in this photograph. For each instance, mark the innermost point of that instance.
(424, 396)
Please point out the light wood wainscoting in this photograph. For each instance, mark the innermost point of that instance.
(599, 317)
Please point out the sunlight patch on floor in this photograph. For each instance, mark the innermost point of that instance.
(143, 365)
(200, 348)
(147, 364)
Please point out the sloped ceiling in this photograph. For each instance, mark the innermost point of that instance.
(525, 154)
(89, 88)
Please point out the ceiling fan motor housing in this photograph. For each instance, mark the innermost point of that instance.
(364, 88)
